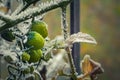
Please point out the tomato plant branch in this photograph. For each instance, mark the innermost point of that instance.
(27, 5)
(5, 18)
(29, 13)
(68, 50)
(64, 22)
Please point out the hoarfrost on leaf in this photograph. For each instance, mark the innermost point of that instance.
(56, 64)
(80, 37)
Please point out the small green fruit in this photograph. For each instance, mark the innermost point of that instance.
(8, 35)
(35, 40)
(40, 27)
(31, 69)
(25, 56)
(26, 71)
(35, 55)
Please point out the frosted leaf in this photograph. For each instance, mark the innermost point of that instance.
(55, 64)
(10, 58)
(4, 47)
(58, 40)
(80, 37)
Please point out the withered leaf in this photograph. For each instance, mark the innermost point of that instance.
(90, 69)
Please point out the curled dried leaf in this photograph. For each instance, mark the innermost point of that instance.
(90, 69)
(86, 65)
(80, 37)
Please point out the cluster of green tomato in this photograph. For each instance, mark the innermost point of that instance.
(35, 39)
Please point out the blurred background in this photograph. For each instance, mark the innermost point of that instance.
(101, 19)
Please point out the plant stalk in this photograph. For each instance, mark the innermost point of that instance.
(32, 13)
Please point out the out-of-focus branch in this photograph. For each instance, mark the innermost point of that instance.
(5, 18)
(43, 8)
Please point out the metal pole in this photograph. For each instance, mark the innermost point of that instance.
(0, 67)
(74, 28)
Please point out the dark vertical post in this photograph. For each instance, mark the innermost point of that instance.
(0, 67)
(74, 28)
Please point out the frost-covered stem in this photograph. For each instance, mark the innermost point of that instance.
(68, 48)
(23, 7)
(34, 13)
(5, 18)
(64, 22)
(49, 50)
(11, 67)
(74, 76)
(27, 5)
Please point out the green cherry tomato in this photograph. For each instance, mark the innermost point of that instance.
(25, 56)
(40, 27)
(35, 55)
(35, 40)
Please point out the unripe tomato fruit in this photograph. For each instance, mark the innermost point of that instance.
(31, 69)
(26, 71)
(35, 55)
(40, 27)
(25, 56)
(35, 40)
